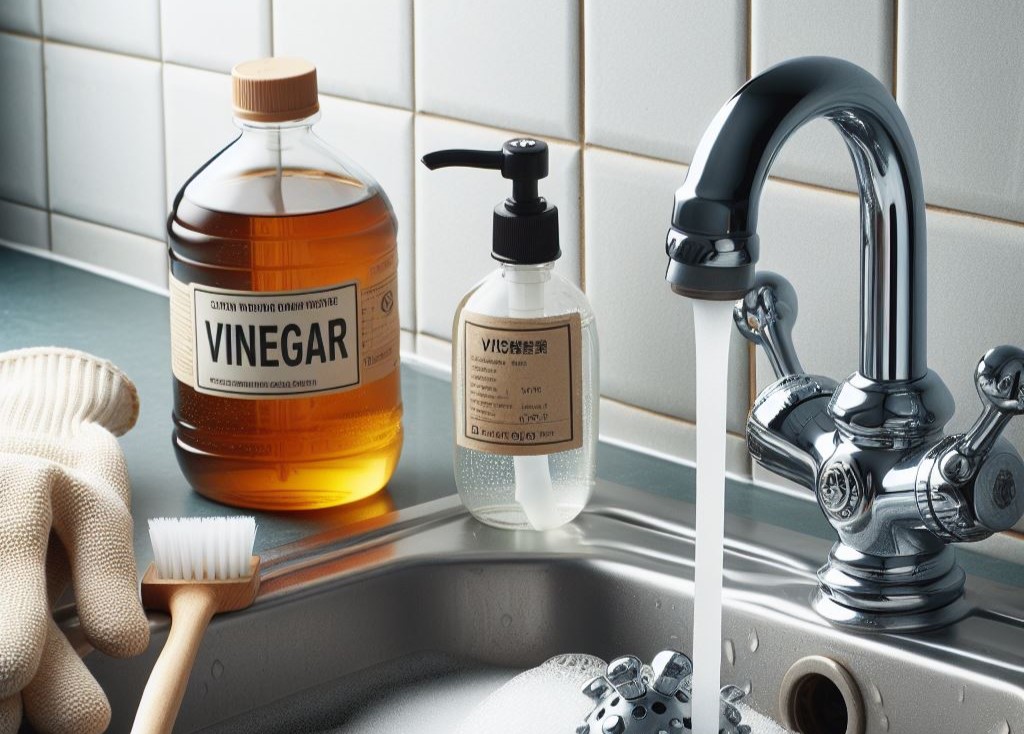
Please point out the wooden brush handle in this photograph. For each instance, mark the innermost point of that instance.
(191, 608)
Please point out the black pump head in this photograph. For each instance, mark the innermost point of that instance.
(525, 225)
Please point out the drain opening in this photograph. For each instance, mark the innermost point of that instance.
(818, 706)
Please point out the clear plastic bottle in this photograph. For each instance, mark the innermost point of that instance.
(524, 362)
(489, 483)
(284, 315)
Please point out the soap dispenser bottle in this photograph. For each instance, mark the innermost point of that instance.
(524, 362)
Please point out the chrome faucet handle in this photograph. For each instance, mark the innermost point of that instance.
(765, 317)
(1000, 383)
(970, 482)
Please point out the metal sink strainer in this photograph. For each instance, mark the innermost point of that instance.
(633, 698)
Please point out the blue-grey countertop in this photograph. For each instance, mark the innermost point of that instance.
(45, 303)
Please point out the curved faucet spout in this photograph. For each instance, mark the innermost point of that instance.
(713, 242)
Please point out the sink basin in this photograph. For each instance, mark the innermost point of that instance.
(430, 606)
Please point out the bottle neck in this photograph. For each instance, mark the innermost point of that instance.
(527, 274)
(276, 135)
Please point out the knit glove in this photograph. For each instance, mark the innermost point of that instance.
(64, 515)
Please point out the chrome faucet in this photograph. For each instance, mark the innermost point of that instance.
(871, 448)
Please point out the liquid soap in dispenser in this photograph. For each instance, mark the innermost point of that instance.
(524, 362)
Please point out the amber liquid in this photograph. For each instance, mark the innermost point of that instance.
(298, 452)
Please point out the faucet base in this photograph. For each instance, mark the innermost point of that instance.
(867, 593)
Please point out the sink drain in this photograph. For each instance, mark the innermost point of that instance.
(818, 696)
(655, 699)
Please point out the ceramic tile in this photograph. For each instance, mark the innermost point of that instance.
(379, 139)
(647, 339)
(112, 249)
(104, 123)
(22, 144)
(666, 437)
(215, 35)
(657, 72)
(960, 85)
(453, 217)
(24, 225)
(811, 237)
(437, 353)
(197, 121)
(128, 26)
(505, 63)
(858, 32)
(21, 16)
(361, 50)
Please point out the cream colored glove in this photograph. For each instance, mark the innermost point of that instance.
(61, 469)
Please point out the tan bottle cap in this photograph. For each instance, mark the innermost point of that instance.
(274, 89)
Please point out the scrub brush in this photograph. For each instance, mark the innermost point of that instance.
(203, 566)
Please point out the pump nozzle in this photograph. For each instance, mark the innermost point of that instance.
(525, 225)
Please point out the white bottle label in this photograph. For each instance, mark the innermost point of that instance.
(252, 344)
(522, 384)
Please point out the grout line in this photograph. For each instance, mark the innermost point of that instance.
(895, 42)
(633, 154)
(46, 133)
(476, 123)
(22, 34)
(105, 225)
(412, 171)
(163, 122)
(5, 200)
(750, 38)
(270, 9)
(88, 267)
(581, 132)
(97, 49)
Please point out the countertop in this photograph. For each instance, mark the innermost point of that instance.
(46, 303)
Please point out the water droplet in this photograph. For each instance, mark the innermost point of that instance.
(218, 669)
(876, 695)
(506, 620)
(1001, 728)
(748, 687)
(885, 723)
(657, 603)
(204, 690)
(753, 640)
(730, 652)
(962, 695)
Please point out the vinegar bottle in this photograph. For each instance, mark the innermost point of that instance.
(284, 310)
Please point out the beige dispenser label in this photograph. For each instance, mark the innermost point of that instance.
(522, 386)
(263, 344)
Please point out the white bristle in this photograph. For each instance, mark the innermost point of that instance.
(202, 548)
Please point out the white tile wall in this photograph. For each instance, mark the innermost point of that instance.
(22, 148)
(646, 330)
(625, 90)
(126, 26)
(23, 16)
(961, 86)
(113, 249)
(215, 35)
(656, 72)
(197, 121)
(860, 32)
(24, 225)
(362, 50)
(504, 63)
(104, 124)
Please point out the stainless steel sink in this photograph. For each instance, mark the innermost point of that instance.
(347, 620)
